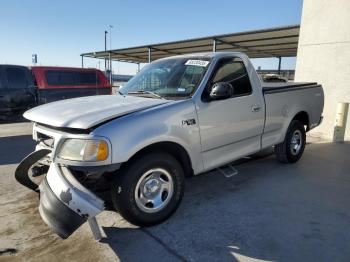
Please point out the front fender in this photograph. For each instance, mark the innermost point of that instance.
(166, 123)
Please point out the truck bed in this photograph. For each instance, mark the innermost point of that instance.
(284, 101)
(284, 87)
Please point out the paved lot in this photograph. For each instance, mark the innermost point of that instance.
(269, 211)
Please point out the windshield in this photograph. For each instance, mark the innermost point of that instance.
(177, 77)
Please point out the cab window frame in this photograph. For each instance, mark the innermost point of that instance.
(209, 84)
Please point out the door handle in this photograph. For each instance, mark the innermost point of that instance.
(256, 108)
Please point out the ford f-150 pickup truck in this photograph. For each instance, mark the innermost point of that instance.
(180, 116)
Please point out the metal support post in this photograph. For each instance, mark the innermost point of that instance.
(149, 55)
(110, 69)
(106, 50)
(279, 65)
(214, 45)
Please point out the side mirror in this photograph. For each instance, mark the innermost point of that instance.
(221, 90)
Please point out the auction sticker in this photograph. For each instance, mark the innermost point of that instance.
(202, 63)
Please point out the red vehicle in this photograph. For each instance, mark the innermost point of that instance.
(57, 83)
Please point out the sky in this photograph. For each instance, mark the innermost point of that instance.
(59, 31)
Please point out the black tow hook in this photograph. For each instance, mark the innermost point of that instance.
(39, 170)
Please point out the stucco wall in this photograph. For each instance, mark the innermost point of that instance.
(324, 56)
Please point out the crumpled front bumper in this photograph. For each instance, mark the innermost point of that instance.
(55, 214)
(64, 203)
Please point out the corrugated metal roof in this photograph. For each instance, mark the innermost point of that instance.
(272, 42)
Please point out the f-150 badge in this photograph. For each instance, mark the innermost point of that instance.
(189, 122)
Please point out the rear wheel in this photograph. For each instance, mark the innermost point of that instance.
(149, 189)
(292, 148)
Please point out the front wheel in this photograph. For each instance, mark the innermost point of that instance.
(292, 148)
(149, 189)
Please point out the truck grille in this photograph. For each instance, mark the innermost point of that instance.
(45, 140)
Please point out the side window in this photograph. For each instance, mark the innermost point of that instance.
(71, 78)
(88, 78)
(16, 78)
(52, 78)
(232, 71)
(67, 78)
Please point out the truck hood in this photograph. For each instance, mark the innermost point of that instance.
(86, 112)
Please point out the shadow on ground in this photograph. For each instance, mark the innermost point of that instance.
(14, 148)
(269, 211)
(206, 227)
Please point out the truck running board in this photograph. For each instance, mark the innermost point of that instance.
(228, 170)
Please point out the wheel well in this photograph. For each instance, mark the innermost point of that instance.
(171, 148)
(304, 118)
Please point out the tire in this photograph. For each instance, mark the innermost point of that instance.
(292, 148)
(147, 173)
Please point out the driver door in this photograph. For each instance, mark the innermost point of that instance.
(230, 128)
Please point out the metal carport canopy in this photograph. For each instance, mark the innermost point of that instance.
(272, 42)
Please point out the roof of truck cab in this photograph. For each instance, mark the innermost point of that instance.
(208, 55)
(271, 42)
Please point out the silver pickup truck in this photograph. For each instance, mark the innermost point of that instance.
(180, 116)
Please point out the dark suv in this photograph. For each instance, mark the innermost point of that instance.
(17, 91)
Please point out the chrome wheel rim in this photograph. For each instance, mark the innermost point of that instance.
(296, 142)
(154, 190)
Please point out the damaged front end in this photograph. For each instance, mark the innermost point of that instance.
(64, 204)
(66, 199)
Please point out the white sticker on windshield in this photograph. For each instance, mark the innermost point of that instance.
(180, 89)
(202, 63)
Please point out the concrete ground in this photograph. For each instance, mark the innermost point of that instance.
(270, 211)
